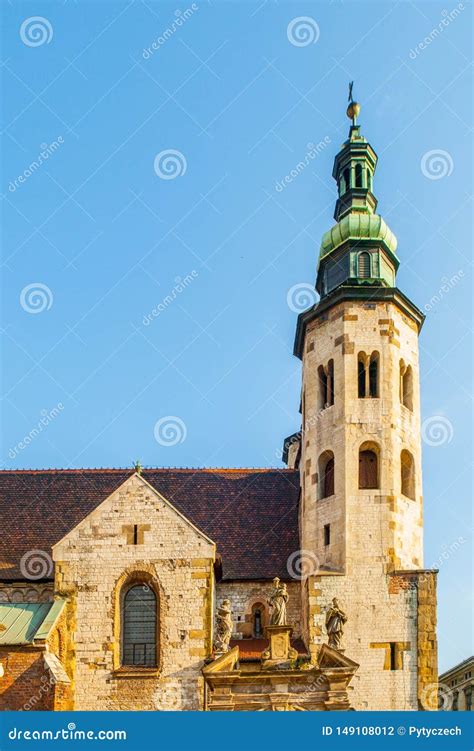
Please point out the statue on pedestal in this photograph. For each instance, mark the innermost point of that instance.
(224, 627)
(335, 619)
(277, 601)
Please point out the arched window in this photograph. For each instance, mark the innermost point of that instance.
(258, 620)
(342, 185)
(139, 626)
(361, 364)
(363, 265)
(406, 385)
(368, 375)
(326, 474)
(347, 178)
(330, 382)
(323, 387)
(374, 375)
(368, 467)
(407, 474)
(326, 385)
(358, 176)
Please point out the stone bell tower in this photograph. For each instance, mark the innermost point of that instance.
(360, 450)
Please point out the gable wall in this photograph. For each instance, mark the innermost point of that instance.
(94, 558)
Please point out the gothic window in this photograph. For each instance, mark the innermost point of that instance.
(326, 385)
(363, 265)
(374, 375)
(258, 611)
(361, 360)
(368, 375)
(139, 626)
(368, 467)
(326, 474)
(358, 176)
(407, 474)
(406, 385)
(323, 386)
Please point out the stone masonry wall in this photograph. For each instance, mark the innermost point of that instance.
(244, 595)
(96, 559)
(372, 532)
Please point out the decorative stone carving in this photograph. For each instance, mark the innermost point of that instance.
(224, 628)
(277, 601)
(335, 619)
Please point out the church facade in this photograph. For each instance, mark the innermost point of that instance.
(240, 589)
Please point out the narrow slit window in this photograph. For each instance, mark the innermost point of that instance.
(361, 376)
(393, 655)
(327, 534)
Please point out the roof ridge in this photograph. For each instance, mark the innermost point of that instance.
(78, 470)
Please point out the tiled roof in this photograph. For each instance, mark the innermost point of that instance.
(251, 514)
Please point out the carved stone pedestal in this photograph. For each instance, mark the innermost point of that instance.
(279, 652)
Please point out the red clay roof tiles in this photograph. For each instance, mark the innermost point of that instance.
(251, 514)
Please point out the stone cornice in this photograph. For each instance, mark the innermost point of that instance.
(357, 294)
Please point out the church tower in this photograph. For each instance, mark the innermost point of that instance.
(359, 457)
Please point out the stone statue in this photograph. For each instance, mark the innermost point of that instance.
(335, 619)
(277, 600)
(224, 627)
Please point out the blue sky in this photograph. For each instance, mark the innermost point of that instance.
(108, 240)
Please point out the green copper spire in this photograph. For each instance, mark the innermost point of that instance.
(360, 248)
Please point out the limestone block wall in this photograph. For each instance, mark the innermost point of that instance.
(244, 595)
(375, 618)
(372, 531)
(339, 335)
(96, 559)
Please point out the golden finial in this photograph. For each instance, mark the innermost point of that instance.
(353, 109)
(138, 467)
